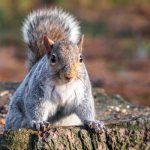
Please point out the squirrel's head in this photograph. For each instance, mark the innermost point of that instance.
(65, 58)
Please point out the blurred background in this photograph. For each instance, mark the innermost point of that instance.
(116, 48)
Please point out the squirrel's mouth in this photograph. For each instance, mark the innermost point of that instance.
(63, 77)
(68, 78)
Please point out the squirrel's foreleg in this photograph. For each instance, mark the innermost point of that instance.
(86, 112)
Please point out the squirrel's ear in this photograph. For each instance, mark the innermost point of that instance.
(48, 43)
(80, 43)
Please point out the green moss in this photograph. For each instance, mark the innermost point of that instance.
(20, 139)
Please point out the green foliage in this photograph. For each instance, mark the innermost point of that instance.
(146, 46)
(120, 2)
(93, 29)
(12, 13)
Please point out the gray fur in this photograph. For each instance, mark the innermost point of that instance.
(45, 95)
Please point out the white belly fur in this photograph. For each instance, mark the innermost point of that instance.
(64, 95)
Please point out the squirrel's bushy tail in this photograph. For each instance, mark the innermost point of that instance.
(55, 23)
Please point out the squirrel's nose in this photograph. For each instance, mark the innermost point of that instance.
(68, 78)
(69, 72)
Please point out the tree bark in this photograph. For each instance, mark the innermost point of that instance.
(127, 127)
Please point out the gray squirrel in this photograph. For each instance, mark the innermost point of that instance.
(57, 88)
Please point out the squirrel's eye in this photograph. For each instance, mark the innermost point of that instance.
(81, 59)
(53, 59)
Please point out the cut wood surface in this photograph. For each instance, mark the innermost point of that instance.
(127, 127)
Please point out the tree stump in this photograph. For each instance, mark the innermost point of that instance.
(127, 127)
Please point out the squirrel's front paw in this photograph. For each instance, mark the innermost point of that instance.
(95, 125)
(40, 125)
